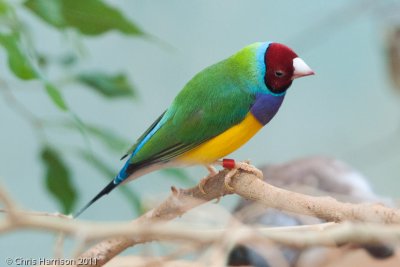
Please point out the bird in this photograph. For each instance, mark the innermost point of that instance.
(215, 113)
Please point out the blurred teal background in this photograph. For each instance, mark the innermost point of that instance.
(348, 110)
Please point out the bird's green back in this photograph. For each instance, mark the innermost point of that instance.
(216, 99)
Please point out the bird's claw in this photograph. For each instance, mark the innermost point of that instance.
(202, 183)
(228, 179)
(233, 168)
(212, 172)
(247, 167)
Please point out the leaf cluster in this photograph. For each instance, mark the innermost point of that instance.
(85, 19)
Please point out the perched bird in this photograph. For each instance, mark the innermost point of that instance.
(216, 112)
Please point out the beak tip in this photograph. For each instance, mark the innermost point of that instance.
(301, 69)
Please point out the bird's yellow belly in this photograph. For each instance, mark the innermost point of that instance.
(223, 144)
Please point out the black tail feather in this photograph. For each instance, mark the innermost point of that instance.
(103, 192)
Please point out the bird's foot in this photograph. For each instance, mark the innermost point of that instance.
(212, 172)
(233, 168)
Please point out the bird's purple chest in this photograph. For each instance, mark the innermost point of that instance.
(266, 106)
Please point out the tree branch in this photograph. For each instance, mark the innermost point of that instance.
(180, 201)
(151, 226)
(250, 187)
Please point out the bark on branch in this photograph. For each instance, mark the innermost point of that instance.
(250, 187)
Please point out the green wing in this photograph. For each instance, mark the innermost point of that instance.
(130, 151)
(213, 101)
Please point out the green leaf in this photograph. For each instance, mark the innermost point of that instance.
(4, 8)
(50, 11)
(106, 84)
(18, 61)
(95, 17)
(132, 197)
(58, 179)
(179, 175)
(56, 96)
(91, 17)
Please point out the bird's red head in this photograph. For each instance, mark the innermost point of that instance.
(282, 67)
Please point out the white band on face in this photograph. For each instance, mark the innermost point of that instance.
(301, 69)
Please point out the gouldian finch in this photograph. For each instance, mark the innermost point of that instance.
(216, 112)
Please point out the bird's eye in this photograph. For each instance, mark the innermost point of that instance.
(279, 73)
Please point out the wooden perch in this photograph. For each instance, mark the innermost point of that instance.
(116, 237)
(180, 201)
(250, 187)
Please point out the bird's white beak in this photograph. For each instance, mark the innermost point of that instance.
(301, 69)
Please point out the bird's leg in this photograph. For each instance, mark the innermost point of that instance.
(211, 173)
(234, 166)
